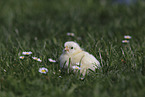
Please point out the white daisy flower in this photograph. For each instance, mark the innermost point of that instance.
(125, 41)
(51, 60)
(76, 67)
(43, 70)
(60, 77)
(26, 53)
(37, 59)
(127, 37)
(21, 57)
(70, 34)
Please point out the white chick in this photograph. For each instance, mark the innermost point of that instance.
(73, 54)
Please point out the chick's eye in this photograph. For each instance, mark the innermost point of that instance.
(71, 47)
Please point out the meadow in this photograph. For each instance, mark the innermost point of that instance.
(99, 26)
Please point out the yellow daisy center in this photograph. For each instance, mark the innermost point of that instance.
(42, 70)
(77, 68)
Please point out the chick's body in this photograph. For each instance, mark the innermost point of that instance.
(73, 54)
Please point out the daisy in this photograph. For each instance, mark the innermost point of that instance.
(21, 57)
(37, 59)
(70, 34)
(43, 70)
(26, 53)
(76, 67)
(125, 41)
(127, 37)
(51, 60)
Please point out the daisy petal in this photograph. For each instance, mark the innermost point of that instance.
(78, 64)
(76, 67)
(5, 70)
(51, 60)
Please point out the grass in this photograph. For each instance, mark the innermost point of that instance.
(41, 26)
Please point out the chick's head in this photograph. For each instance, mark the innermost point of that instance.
(71, 47)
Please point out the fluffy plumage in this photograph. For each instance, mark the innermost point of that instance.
(73, 54)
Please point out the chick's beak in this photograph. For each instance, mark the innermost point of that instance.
(66, 48)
